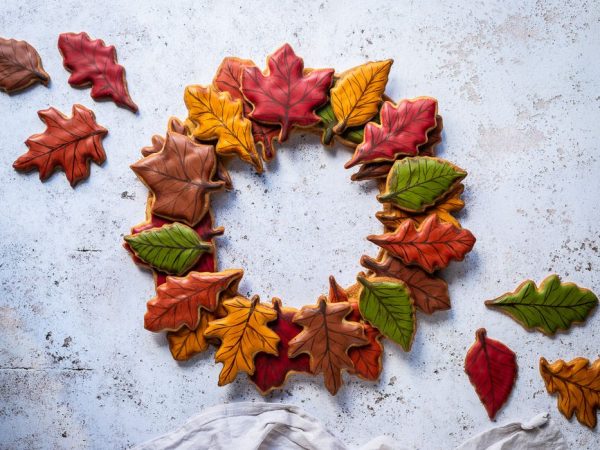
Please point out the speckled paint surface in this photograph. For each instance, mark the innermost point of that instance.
(519, 88)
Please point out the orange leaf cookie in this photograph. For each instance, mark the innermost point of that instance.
(185, 343)
(243, 333)
(215, 116)
(577, 383)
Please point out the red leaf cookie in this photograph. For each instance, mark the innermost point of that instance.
(284, 95)
(492, 370)
(431, 246)
(178, 301)
(403, 129)
(91, 62)
(271, 371)
(68, 142)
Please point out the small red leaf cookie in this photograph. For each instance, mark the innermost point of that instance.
(68, 142)
(92, 62)
(284, 95)
(492, 370)
(271, 371)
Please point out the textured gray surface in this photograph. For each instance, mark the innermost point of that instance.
(518, 87)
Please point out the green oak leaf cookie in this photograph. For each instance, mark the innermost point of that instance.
(414, 184)
(551, 307)
(387, 305)
(173, 249)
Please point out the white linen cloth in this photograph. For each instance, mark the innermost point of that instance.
(266, 426)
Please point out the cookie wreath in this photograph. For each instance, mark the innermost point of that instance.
(245, 109)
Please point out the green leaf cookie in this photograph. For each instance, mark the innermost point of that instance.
(553, 306)
(414, 184)
(173, 249)
(387, 305)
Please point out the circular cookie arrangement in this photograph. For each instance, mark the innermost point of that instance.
(245, 109)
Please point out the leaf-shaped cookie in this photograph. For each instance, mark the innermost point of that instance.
(176, 126)
(381, 169)
(68, 142)
(551, 307)
(214, 115)
(243, 333)
(180, 176)
(387, 305)
(229, 79)
(185, 343)
(92, 62)
(431, 246)
(179, 300)
(204, 230)
(284, 95)
(357, 94)
(273, 370)
(392, 217)
(366, 358)
(326, 337)
(403, 129)
(173, 249)
(20, 66)
(414, 184)
(492, 370)
(578, 386)
(430, 293)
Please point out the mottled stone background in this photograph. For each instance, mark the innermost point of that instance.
(518, 86)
